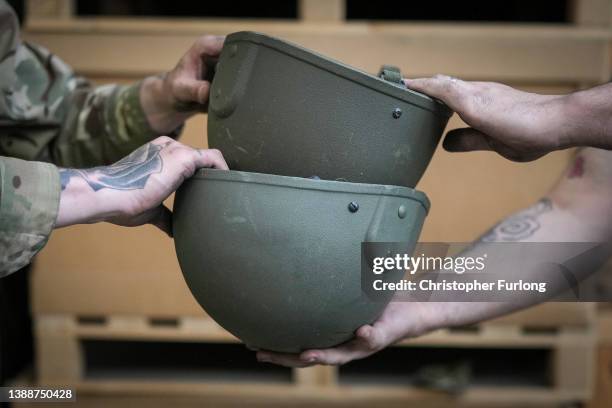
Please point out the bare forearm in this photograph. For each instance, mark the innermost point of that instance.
(545, 222)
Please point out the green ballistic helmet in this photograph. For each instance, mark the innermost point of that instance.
(278, 108)
(271, 254)
(276, 260)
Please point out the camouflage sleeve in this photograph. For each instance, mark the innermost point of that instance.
(29, 197)
(58, 117)
(48, 114)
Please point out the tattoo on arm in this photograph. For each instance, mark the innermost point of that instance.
(129, 173)
(520, 226)
(577, 169)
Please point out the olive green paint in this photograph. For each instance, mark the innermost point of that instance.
(276, 260)
(278, 108)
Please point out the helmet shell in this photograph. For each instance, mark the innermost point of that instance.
(278, 108)
(276, 260)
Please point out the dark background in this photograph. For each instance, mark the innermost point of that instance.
(548, 11)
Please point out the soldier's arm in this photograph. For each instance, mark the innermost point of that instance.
(52, 115)
(47, 114)
(35, 197)
(577, 209)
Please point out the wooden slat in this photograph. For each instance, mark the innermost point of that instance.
(204, 329)
(603, 387)
(49, 9)
(595, 13)
(58, 352)
(604, 323)
(574, 366)
(507, 53)
(316, 376)
(553, 314)
(189, 329)
(322, 10)
(346, 396)
(498, 337)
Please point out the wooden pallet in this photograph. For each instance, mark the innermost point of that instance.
(603, 384)
(61, 360)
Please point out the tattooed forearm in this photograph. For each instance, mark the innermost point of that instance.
(520, 226)
(129, 173)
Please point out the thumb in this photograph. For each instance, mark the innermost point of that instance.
(193, 90)
(208, 45)
(466, 140)
(470, 139)
(373, 336)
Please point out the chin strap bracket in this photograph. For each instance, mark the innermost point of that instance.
(391, 74)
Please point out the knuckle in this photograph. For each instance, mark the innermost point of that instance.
(189, 168)
(163, 140)
(180, 83)
(208, 38)
(205, 41)
(450, 86)
(215, 153)
(463, 99)
(178, 145)
(182, 155)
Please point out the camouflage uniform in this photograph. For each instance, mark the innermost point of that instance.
(47, 114)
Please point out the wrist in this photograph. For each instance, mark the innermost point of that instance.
(418, 318)
(79, 203)
(435, 316)
(584, 118)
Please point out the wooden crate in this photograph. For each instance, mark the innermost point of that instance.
(62, 359)
(603, 382)
(603, 385)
